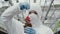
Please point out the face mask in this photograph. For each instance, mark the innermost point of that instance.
(23, 12)
(21, 16)
(35, 21)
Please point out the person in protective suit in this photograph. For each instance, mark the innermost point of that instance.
(37, 24)
(12, 25)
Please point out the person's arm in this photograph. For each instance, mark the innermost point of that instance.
(9, 13)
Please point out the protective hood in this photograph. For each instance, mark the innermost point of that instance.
(37, 8)
(35, 21)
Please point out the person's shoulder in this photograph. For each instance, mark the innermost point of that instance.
(46, 27)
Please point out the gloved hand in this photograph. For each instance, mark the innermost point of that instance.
(29, 30)
(24, 6)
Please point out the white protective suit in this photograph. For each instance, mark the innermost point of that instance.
(13, 26)
(38, 26)
(36, 22)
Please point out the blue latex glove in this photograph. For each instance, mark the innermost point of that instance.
(24, 6)
(29, 30)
